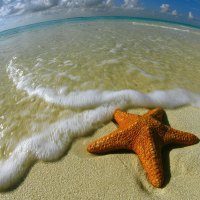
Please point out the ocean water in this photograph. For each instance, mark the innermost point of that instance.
(63, 79)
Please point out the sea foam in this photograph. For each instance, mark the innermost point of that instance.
(97, 108)
(161, 26)
(93, 98)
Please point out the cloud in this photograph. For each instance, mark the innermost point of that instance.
(174, 13)
(165, 8)
(16, 7)
(110, 3)
(80, 3)
(130, 4)
(38, 5)
(190, 15)
(10, 7)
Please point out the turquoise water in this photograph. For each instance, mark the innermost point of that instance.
(63, 79)
(85, 19)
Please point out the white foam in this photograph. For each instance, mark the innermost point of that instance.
(68, 63)
(108, 62)
(117, 47)
(99, 106)
(94, 98)
(160, 26)
(50, 144)
(52, 61)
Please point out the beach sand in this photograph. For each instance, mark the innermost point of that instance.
(80, 175)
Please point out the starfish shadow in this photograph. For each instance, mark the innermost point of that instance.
(165, 155)
(166, 165)
(166, 161)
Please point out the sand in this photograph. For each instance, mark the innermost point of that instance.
(80, 175)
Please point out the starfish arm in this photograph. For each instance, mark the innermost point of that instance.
(158, 114)
(124, 119)
(116, 140)
(148, 148)
(173, 136)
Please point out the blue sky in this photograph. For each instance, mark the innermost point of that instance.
(20, 12)
(183, 7)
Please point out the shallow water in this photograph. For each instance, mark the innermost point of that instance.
(62, 81)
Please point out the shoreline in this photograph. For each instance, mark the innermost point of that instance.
(80, 175)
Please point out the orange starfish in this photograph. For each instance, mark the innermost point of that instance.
(145, 135)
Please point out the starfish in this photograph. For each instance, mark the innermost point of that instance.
(146, 135)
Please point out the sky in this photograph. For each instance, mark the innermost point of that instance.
(19, 12)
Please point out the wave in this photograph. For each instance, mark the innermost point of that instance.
(98, 107)
(160, 26)
(93, 98)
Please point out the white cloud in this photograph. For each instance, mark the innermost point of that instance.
(190, 15)
(130, 4)
(37, 5)
(87, 3)
(165, 8)
(80, 3)
(110, 3)
(4, 11)
(174, 13)
(10, 7)
(15, 7)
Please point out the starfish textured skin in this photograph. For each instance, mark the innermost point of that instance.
(146, 135)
